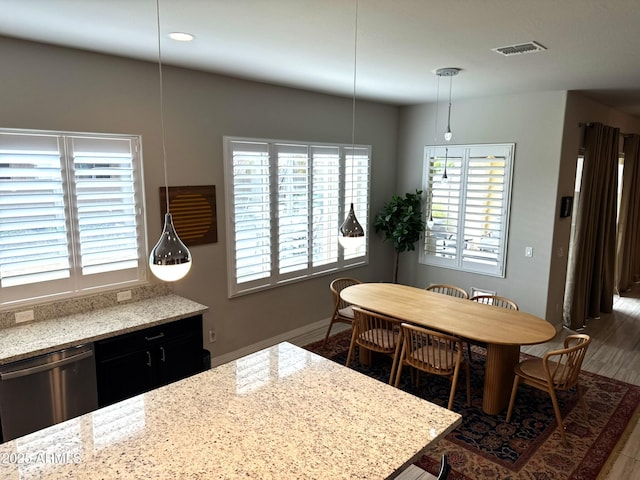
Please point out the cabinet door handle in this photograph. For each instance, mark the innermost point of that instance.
(163, 358)
(155, 337)
(148, 358)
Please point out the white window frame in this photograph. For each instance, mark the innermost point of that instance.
(482, 248)
(80, 177)
(325, 184)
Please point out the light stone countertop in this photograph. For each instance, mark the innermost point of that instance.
(37, 338)
(280, 413)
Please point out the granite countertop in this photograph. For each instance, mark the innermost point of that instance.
(280, 413)
(37, 338)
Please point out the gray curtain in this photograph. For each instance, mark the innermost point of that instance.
(628, 251)
(590, 275)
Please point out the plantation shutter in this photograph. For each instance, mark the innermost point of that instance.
(70, 213)
(486, 207)
(251, 203)
(106, 204)
(356, 185)
(326, 196)
(33, 227)
(467, 212)
(285, 204)
(444, 189)
(294, 207)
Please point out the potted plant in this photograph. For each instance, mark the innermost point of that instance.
(401, 222)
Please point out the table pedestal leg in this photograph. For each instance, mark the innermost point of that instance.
(365, 356)
(498, 379)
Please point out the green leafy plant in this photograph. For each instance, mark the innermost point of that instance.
(401, 222)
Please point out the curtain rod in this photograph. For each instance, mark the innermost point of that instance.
(622, 134)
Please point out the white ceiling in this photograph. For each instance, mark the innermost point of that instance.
(593, 45)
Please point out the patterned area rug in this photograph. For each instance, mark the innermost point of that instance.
(530, 446)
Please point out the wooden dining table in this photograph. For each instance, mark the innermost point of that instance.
(501, 329)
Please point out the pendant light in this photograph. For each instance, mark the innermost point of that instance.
(170, 259)
(448, 72)
(430, 222)
(351, 234)
(445, 178)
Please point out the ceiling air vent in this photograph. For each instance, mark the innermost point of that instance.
(519, 49)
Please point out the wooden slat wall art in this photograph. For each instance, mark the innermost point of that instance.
(194, 213)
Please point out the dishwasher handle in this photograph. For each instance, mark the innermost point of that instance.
(47, 366)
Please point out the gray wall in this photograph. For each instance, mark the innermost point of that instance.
(534, 123)
(45, 87)
(544, 127)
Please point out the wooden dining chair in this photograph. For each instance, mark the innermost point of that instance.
(342, 311)
(417, 473)
(495, 300)
(432, 352)
(450, 290)
(375, 332)
(445, 468)
(557, 370)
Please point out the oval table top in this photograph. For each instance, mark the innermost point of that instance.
(472, 320)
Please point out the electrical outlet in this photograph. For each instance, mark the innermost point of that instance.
(125, 295)
(212, 336)
(25, 316)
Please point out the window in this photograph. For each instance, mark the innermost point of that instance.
(70, 213)
(285, 203)
(468, 194)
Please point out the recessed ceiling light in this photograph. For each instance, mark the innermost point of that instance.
(181, 36)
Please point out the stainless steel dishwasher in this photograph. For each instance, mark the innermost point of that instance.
(41, 391)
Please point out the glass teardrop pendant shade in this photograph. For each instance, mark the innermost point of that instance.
(430, 222)
(445, 178)
(448, 135)
(170, 259)
(351, 232)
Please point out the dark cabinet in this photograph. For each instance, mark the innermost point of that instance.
(137, 362)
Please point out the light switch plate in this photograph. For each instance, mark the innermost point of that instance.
(528, 252)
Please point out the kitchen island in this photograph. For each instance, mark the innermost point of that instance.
(280, 413)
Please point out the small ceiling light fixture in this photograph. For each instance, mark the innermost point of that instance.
(351, 232)
(181, 36)
(448, 72)
(170, 259)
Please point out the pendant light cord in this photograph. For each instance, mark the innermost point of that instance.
(353, 109)
(164, 148)
(435, 126)
(449, 116)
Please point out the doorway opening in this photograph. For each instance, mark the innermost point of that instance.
(574, 216)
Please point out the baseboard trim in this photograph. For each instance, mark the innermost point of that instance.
(310, 332)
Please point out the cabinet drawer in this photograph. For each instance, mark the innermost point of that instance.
(128, 342)
(137, 362)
